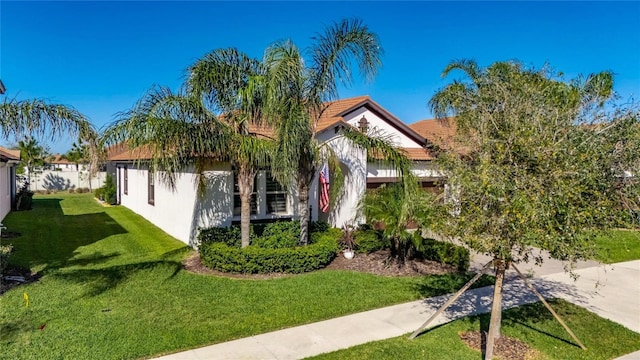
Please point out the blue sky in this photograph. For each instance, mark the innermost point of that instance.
(100, 57)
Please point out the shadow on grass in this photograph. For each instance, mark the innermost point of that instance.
(476, 303)
(50, 239)
(98, 281)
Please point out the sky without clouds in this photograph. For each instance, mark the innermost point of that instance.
(100, 57)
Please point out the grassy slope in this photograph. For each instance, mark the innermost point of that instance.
(113, 288)
(532, 324)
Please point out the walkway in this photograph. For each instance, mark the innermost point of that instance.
(617, 298)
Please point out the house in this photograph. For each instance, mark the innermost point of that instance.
(58, 163)
(181, 212)
(9, 159)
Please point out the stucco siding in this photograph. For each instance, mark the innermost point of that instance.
(5, 190)
(423, 169)
(382, 126)
(179, 211)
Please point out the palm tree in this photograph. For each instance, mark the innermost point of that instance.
(304, 90)
(36, 118)
(208, 120)
(23, 118)
(390, 207)
(32, 153)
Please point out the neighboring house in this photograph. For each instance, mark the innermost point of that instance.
(58, 163)
(181, 212)
(9, 159)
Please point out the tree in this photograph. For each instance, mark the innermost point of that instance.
(32, 153)
(304, 90)
(181, 130)
(536, 170)
(36, 118)
(76, 155)
(391, 208)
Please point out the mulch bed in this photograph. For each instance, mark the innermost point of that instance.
(505, 348)
(6, 284)
(377, 263)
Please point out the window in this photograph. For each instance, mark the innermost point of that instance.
(151, 190)
(126, 182)
(276, 196)
(237, 202)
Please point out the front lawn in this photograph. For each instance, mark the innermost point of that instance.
(618, 246)
(113, 287)
(532, 324)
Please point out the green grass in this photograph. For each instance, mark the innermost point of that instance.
(113, 287)
(532, 324)
(617, 246)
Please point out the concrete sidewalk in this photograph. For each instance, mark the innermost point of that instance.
(617, 297)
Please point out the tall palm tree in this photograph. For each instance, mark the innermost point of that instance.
(304, 90)
(209, 119)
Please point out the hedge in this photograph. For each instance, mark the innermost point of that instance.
(446, 253)
(254, 259)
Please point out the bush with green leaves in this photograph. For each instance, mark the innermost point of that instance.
(5, 252)
(444, 252)
(229, 236)
(254, 259)
(369, 240)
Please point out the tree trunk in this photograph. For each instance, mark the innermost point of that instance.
(496, 309)
(245, 187)
(303, 196)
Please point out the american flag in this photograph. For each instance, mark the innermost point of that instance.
(324, 192)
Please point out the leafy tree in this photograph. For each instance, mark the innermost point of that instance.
(76, 155)
(535, 168)
(305, 90)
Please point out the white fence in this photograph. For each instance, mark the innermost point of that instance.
(64, 180)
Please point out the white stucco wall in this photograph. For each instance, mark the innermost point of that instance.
(375, 122)
(5, 190)
(354, 168)
(420, 169)
(180, 212)
(64, 180)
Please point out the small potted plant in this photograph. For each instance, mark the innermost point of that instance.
(348, 241)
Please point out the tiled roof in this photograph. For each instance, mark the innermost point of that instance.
(441, 133)
(330, 114)
(9, 153)
(139, 153)
(418, 154)
(57, 159)
(330, 117)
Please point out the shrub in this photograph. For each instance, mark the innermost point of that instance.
(72, 190)
(278, 235)
(229, 236)
(369, 240)
(109, 190)
(24, 197)
(446, 253)
(5, 252)
(253, 259)
(99, 193)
